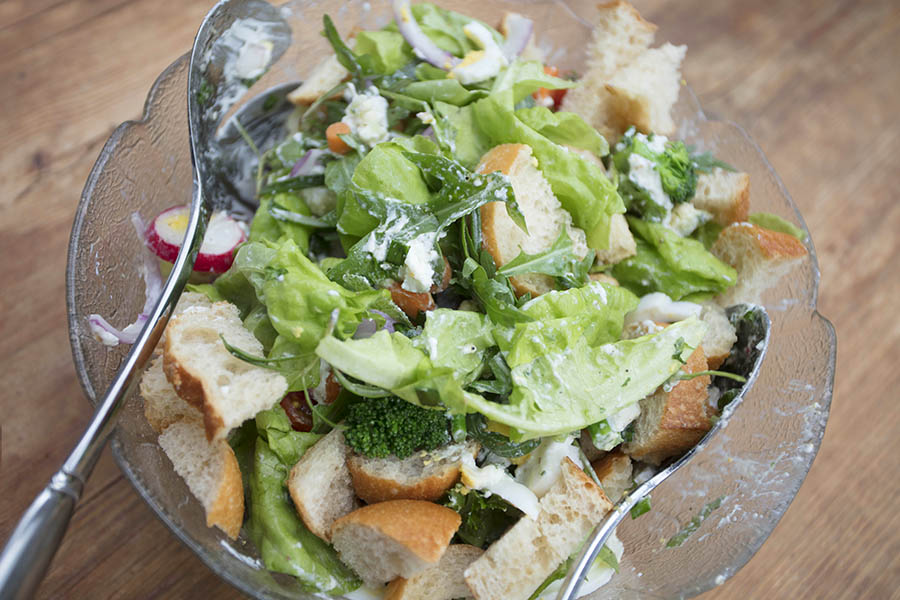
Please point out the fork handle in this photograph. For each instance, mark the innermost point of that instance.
(36, 538)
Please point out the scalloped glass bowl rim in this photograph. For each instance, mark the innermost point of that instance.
(110, 148)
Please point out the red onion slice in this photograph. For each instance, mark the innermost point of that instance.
(100, 327)
(518, 30)
(307, 163)
(421, 43)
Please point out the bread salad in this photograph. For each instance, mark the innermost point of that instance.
(478, 299)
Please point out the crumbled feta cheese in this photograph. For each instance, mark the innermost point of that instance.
(426, 117)
(417, 272)
(479, 65)
(367, 116)
(642, 172)
(685, 218)
(657, 145)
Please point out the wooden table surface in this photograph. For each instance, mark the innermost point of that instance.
(817, 85)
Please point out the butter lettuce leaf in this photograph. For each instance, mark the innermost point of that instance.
(283, 541)
(565, 128)
(564, 391)
(594, 313)
(666, 262)
(776, 223)
(456, 339)
(387, 49)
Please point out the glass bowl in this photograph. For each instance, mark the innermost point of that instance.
(743, 481)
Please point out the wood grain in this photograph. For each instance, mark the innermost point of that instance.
(815, 84)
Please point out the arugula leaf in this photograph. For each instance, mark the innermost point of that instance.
(496, 442)
(293, 184)
(642, 507)
(359, 66)
(558, 261)
(484, 518)
(705, 162)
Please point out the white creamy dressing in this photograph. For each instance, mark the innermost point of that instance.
(479, 65)
(366, 115)
(492, 479)
(544, 465)
(658, 307)
(599, 574)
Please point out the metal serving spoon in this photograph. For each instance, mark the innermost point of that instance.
(753, 326)
(37, 536)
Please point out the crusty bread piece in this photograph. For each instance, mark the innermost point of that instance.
(724, 194)
(544, 216)
(444, 581)
(761, 257)
(604, 277)
(672, 421)
(211, 472)
(227, 390)
(720, 335)
(422, 476)
(324, 77)
(320, 485)
(643, 93)
(614, 472)
(621, 242)
(620, 36)
(186, 301)
(516, 564)
(398, 538)
(162, 406)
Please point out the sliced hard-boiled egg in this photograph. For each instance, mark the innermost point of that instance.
(479, 65)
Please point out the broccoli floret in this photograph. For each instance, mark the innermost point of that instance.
(676, 169)
(379, 427)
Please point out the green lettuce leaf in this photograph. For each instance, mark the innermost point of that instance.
(387, 49)
(283, 541)
(445, 28)
(564, 128)
(386, 360)
(564, 391)
(580, 185)
(450, 91)
(666, 262)
(386, 172)
(594, 313)
(776, 223)
(456, 339)
(266, 228)
(557, 261)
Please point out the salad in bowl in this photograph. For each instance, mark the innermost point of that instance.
(477, 300)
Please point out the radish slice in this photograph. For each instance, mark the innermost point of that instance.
(517, 30)
(223, 236)
(421, 43)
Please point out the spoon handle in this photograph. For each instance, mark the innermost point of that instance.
(598, 538)
(37, 536)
